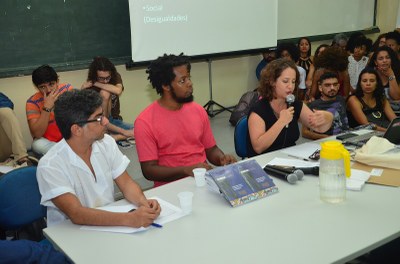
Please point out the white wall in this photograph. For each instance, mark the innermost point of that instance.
(231, 78)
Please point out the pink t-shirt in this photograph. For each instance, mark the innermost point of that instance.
(174, 138)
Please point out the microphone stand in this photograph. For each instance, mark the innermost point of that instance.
(209, 106)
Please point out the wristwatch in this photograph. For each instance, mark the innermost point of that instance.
(392, 77)
(46, 109)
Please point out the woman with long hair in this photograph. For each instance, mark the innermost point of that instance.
(385, 62)
(273, 123)
(368, 104)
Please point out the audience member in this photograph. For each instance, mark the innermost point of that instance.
(368, 104)
(77, 174)
(340, 40)
(291, 52)
(393, 42)
(268, 56)
(385, 62)
(272, 123)
(379, 42)
(173, 134)
(358, 60)
(352, 39)
(305, 60)
(39, 109)
(333, 59)
(328, 85)
(104, 78)
(311, 71)
(12, 146)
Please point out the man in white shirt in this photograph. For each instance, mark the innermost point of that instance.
(77, 174)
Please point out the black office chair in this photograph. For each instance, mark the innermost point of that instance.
(20, 203)
(240, 137)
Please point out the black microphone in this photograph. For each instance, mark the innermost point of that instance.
(306, 170)
(289, 177)
(289, 169)
(289, 101)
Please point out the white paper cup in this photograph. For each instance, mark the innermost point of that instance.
(185, 199)
(200, 176)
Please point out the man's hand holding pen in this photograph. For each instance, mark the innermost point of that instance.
(145, 214)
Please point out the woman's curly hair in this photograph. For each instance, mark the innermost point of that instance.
(333, 58)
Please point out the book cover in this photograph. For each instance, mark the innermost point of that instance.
(242, 182)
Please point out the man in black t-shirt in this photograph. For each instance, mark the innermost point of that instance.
(328, 85)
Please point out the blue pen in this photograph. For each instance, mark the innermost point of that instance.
(153, 224)
(156, 225)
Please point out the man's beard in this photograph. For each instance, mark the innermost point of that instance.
(181, 100)
(330, 96)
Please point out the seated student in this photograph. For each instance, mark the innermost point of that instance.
(311, 70)
(104, 78)
(328, 85)
(39, 108)
(268, 56)
(368, 104)
(340, 40)
(333, 59)
(272, 123)
(78, 173)
(173, 134)
(386, 64)
(358, 60)
(12, 146)
(291, 52)
(393, 42)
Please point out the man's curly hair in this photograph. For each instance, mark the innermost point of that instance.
(161, 70)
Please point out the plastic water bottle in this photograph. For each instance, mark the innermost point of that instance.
(333, 169)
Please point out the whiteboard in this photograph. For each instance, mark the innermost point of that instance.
(298, 18)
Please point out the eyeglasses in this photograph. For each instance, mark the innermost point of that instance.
(104, 79)
(97, 119)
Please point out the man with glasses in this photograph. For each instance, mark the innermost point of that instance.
(173, 135)
(104, 78)
(39, 108)
(328, 85)
(78, 173)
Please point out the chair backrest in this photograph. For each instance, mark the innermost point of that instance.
(240, 137)
(20, 199)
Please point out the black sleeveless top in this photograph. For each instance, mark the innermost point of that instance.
(305, 64)
(374, 115)
(287, 137)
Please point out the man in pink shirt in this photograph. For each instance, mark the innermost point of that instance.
(173, 134)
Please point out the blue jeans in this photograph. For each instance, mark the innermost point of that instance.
(120, 123)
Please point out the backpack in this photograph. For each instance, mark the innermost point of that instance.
(243, 107)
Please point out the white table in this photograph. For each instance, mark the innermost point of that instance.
(292, 226)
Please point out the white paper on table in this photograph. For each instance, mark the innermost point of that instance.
(169, 212)
(302, 150)
(292, 162)
(357, 180)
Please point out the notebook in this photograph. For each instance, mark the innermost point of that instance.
(392, 134)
